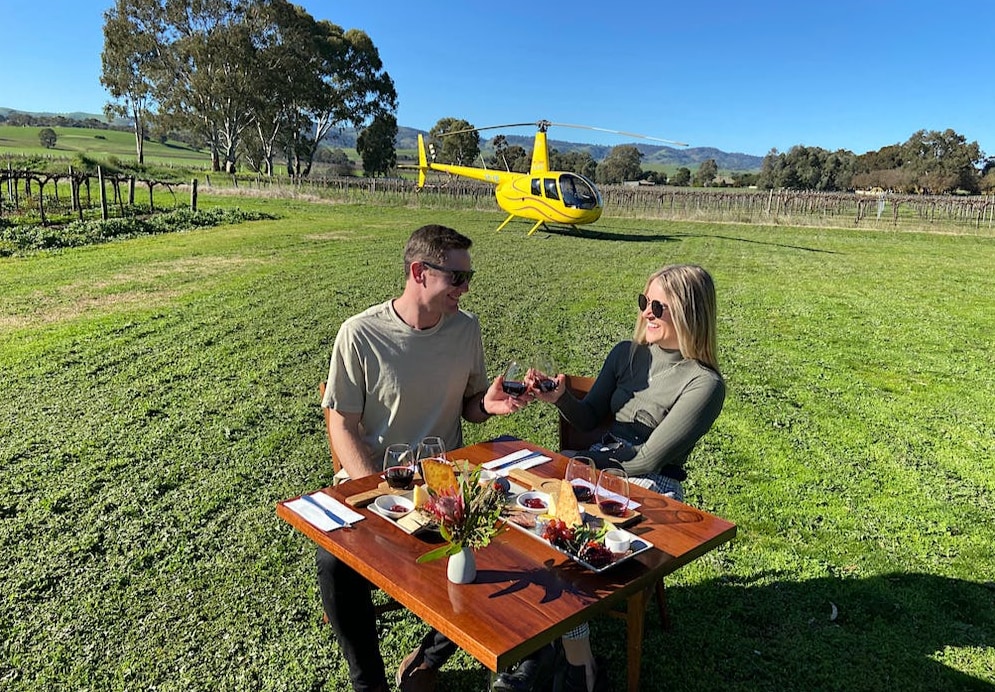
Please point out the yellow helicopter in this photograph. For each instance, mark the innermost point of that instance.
(541, 195)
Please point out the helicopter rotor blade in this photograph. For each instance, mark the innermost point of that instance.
(543, 125)
(489, 127)
(620, 132)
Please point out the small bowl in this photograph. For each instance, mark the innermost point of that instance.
(492, 478)
(534, 498)
(618, 541)
(387, 505)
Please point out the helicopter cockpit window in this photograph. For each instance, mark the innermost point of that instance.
(578, 192)
(536, 187)
(551, 188)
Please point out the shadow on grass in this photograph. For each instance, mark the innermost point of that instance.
(651, 236)
(771, 632)
(605, 233)
(880, 633)
(759, 242)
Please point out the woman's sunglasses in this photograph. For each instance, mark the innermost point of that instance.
(457, 277)
(656, 306)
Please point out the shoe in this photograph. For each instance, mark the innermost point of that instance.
(571, 678)
(414, 675)
(533, 673)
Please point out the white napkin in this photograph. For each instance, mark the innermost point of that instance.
(521, 461)
(315, 516)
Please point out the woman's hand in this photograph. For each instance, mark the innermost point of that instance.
(551, 396)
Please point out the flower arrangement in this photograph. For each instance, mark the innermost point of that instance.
(467, 514)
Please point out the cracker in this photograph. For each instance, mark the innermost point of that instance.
(439, 475)
(567, 509)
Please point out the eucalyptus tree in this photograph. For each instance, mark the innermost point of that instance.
(580, 162)
(375, 144)
(130, 62)
(708, 170)
(225, 69)
(622, 163)
(461, 148)
(352, 87)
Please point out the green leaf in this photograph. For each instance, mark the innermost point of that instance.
(447, 550)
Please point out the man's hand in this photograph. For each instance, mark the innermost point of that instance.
(498, 403)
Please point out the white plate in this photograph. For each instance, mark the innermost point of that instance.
(637, 546)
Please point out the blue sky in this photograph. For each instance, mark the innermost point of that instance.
(738, 76)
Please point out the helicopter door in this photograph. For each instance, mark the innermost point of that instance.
(578, 191)
(551, 188)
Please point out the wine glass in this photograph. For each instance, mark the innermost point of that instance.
(398, 466)
(431, 447)
(544, 372)
(514, 379)
(612, 492)
(580, 475)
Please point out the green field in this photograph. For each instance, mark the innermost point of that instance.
(99, 144)
(159, 397)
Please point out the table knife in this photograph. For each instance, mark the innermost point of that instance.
(533, 455)
(328, 513)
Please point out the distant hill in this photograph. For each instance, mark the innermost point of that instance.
(407, 138)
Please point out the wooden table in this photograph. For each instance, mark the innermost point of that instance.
(526, 594)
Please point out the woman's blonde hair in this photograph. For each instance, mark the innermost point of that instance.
(691, 297)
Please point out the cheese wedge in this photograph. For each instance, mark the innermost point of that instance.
(439, 475)
(420, 496)
(567, 509)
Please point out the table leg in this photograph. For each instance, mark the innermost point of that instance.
(635, 618)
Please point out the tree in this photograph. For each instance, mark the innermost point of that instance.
(743, 179)
(354, 88)
(47, 137)
(226, 70)
(622, 163)
(459, 149)
(942, 161)
(681, 178)
(580, 162)
(375, 145)
(130, 61)
(339, 162)
(707, 172)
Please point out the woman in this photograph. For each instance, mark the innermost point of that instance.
(665, 391)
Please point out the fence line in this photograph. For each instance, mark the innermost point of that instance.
(974, 215)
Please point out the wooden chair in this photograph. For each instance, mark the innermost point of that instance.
(635, 608)
(391, 604)
(336, 466)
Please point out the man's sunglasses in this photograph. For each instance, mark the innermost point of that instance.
(457, 277)
(656, 306)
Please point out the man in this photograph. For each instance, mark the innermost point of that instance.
(407, 368)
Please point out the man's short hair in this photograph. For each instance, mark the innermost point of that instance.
(432, 243)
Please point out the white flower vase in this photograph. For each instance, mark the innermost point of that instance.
(462, 567)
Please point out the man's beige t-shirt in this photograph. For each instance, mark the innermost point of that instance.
(406, 383)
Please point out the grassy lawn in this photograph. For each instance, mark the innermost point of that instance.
(159, 397)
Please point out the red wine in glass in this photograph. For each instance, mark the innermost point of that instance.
(545, 371)
(514, 380)
(583, 492)
(612, 508)
(400, 477)
(513, 388)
